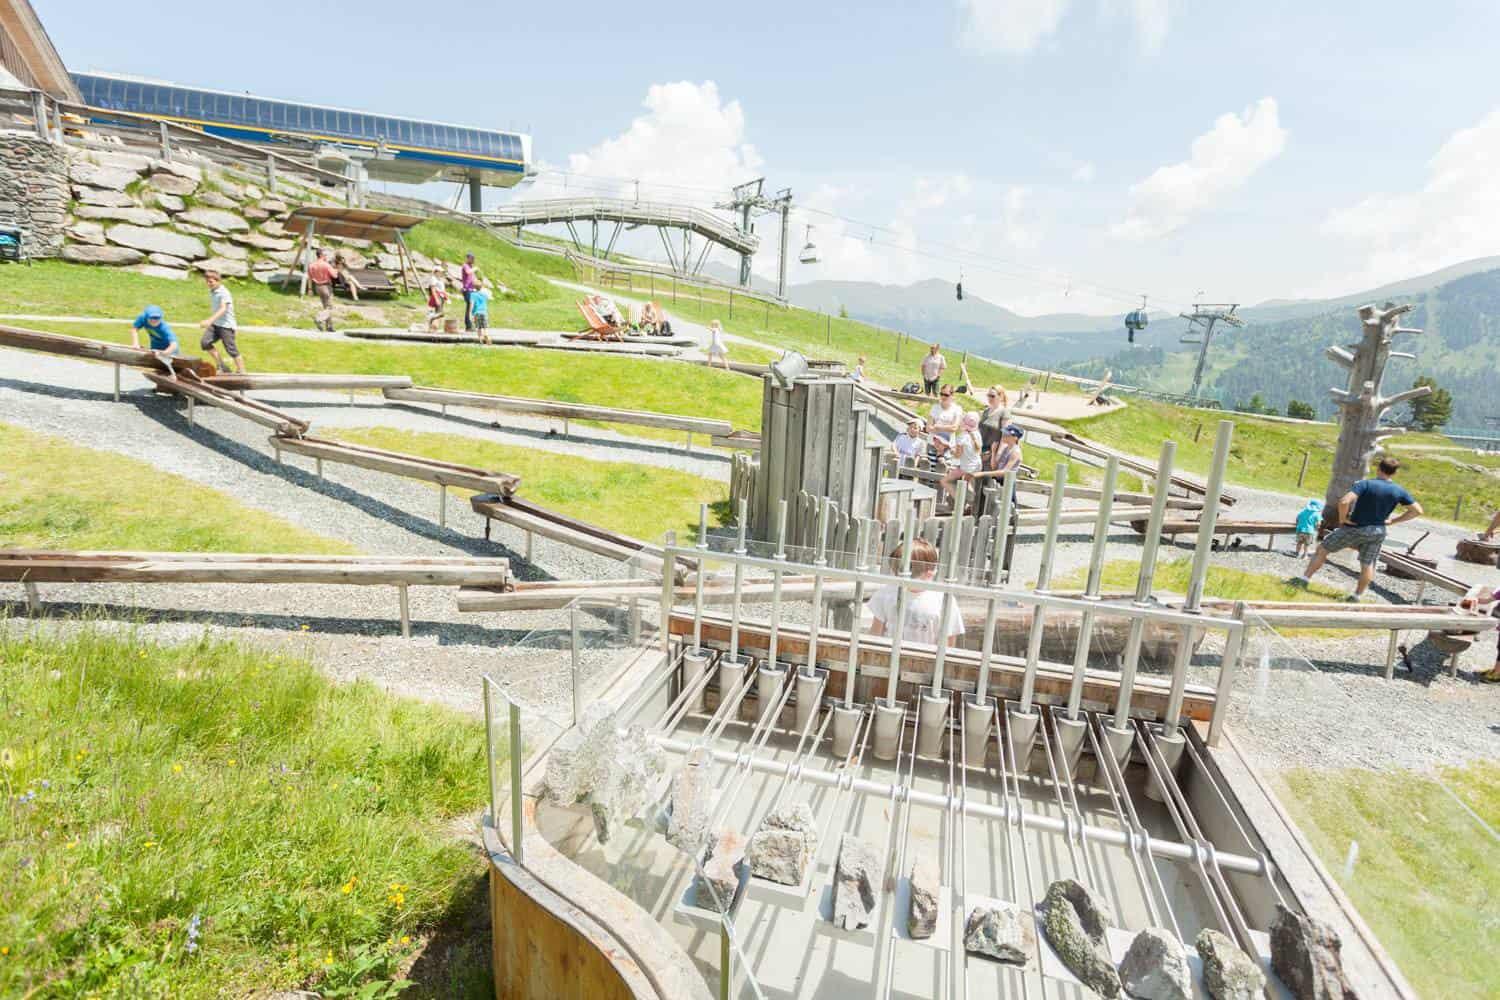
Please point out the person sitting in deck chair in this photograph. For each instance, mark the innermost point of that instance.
(343, 273)
(605, 307)
(162, 340)
(924, 608)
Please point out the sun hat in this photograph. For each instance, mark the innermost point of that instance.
(153, 312)
(971, 421)
(1011, 430)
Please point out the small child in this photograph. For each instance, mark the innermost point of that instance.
(163, 342)
(1307, 525)
(479, 309)
(924, 608)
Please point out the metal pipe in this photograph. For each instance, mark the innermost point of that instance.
(1143, 581)
(739, 583)
(1043, 581)
(1091, 588)
(1209, 517)
(776, 581)
(516, 814)
(668, 579)
(1229, 663)
(820, 559)
(1002, 527)
(856, 624)
(950, 569)
(899, 625)
(698, 577)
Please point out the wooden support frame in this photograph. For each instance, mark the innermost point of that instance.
(565, 411)
(399, 464)
(249, 409)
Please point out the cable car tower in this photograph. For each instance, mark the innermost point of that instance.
(1201, 323)
(750, 197)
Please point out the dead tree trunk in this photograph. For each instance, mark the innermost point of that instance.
(1361, 404)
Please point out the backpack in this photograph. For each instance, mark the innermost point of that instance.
(911, 388)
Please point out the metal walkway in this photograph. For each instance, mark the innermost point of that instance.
(624, 213)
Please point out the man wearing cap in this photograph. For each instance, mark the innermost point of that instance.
(163, 341)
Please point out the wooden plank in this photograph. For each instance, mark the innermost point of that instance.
(277, 381)
(98, 350)
(1094, 493)
(796, 429)
(247, 409)
(843, 442)
(526, 520)
(611, 591)
(1425, 574)
(172, 568)
(398, 464)
(552, 408)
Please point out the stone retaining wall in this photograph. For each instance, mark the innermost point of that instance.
(34, 190)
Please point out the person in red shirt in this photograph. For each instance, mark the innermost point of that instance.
(321, 274)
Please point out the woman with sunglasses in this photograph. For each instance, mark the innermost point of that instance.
(943, 420)
(992, 421)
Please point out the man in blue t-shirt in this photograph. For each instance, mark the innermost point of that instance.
(1364, 514)
(163, 341)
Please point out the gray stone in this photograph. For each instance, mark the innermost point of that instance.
(156, 241)
(687, 827)
(630, 782)
(172, 184)
(1305, 956)
(80, 253)
(226, 267)
(926, 888)
(261, 242)
(170, 202)
(282, 256)
(94, 175)
(794, 816)
(779, 855)
(135, 163)
(215, 219)
(719, 874)
(224, 248)
(387, 261)
(275, 205)
(188, 227)
(856, 884)
(254, 214)
(253, 193)
(1156, 967)
(1004, 931)
(134, 216)
(1074, 921)
(176, 168)
(273, 228)
(1228, 973)
(352, 259)
(351, 241)
(102, 196)
(213, 199)
(230, 189)
(87, 232)
(576, 762)
(167, 260)
(157, 271)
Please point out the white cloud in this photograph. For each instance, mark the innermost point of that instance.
(1008, 25)
(689, 144)
(1221, 161)
(1453, 217)
(1018, 26)
(1083, 173)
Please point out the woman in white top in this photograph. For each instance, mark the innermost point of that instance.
(716, 346)
(943, 420)
(967, 454)
(924, 608)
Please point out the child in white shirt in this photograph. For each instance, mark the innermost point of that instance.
(924, 608)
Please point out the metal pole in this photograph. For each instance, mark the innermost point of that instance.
(405, 602)
(820, 559)
(516, 849)
(776, 583)
(1143, 582)
(577, 661)
(786, 207)
(739, 582)
(1043, 581)
(117, 383)
(857, 623)
(442, 506)
(950, 568)
(698, 578)
(899, 625)
(1002, 527)
(1209, 517)
(1091, 589)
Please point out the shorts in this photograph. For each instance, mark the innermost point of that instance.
(325, 295)
(220, 333)
(481, 321)
(1365, 540)
(1305, 537)
(930, 386)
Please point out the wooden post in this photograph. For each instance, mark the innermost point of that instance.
(828, 328)
(1458, 507)
(1196, 431)
(674, 289)
(731, 303)
(192, 423)
(1305, 456)
(320, 467)
(271, 172)
(442, 506)
(898, 347)
(1046, 382)
(405, 611)
(166, 142)
(117, 382)
(767, 325)
(39, 114)
(307, 239)
(33, 597)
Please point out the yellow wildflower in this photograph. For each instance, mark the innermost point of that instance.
(72, 844)
(149, 843)
(176, 768)
(328, 958)
(232, 762)
(4, 949)
(405, 939)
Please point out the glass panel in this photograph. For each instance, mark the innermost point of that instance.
(237, 109)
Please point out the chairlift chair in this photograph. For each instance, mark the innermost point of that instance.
(809, 254)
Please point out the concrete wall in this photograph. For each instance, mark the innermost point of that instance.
(34, 190)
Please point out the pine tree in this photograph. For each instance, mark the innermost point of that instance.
(1432, 411)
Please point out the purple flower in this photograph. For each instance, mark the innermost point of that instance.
(192, 934)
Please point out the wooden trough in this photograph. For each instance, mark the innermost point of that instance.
(241, 383)
(536, 520)
(198, 391)
(99, 350)
(398, 464)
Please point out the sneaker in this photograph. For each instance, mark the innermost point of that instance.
(1357, 599)
(1490, 677)
(1300, 582)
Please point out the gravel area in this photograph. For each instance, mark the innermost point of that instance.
(1316, 702)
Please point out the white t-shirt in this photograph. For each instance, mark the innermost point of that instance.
(939, 414)
(966, 449)
(716, 346)
(932, 366)
(924, 608)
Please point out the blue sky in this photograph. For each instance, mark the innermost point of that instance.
(1067, 154)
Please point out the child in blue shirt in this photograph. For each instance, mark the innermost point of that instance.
(1307, 525)
(479, 310)
(163, 341)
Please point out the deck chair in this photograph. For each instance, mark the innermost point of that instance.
(597, 328)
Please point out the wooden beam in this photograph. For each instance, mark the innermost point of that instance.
(567, 411)
(276, 381)
(524, 598)
(1426, 574)
(248, 409)
(98, 350)
(398, 464)
(197, 567)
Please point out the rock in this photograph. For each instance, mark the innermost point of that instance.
(86, 232)
(223, 248)
(1305, 956)
(719, 875)
(1006, 932)
(386, 261)
(102, 196)
(282, 256)
(188, 227)
(630, 782)
(170, 202)
(156, 241)
(115, 256)
(94, 175)
(856, 884)
(275, 205)
(1228, 973)
(1074, 921)
(1156, 967)
(215, 219)
(157, 271)
(134, 216)
(576, 763)
(226, 267)
(254, 214)
(350, 241)
(230, 189)
(167, 260)
(273, 228)
(687, 827)
(926, 888)
(132, 162)
(779, 855)
(214, 199)
(176, 168)
(260, 242)
(352, 259)
(253, 193)
(171, 184)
